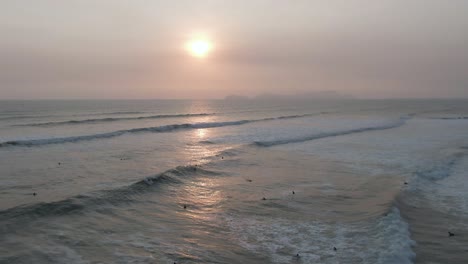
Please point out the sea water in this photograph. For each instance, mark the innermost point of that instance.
(181, 181)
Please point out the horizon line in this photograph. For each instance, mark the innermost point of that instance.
(224, 98)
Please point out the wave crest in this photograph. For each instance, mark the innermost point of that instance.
(159, 129)
(271, 143)
(112, 119)
(114, 196)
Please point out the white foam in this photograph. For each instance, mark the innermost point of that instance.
(444, 187)
(384, 241)
(418, 145)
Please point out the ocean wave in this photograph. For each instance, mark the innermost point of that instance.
(14, 117)
(271, 143)
(7, 116)
(443, 168)
(159, 129)
(117, 113)
(452, 118)
(113, 197)
(207, 142)
(112, 119)
(380, 241)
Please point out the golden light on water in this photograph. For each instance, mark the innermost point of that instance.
(201, 133)
(199, 47)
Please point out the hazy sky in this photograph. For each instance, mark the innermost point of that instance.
(135, 48)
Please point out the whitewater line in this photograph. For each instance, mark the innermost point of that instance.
(159, 129)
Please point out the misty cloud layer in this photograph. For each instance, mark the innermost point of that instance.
(134, 49)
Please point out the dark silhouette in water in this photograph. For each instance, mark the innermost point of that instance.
(249, 180)
(34, 194)
(451, 234)
(406, 183)
(293, 192)
(334, 248)
(185, 206)
(59, 163)
(222, 157)
(263, 198)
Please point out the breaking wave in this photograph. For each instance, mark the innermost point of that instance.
(158, 129)
(112, 196)
(452, 118)
(443, 168)
(271, 143)
(112, 119)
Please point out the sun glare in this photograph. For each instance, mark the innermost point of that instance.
(199, 48)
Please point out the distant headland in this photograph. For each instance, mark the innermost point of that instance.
(320, 95)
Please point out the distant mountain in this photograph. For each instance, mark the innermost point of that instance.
(320, 95)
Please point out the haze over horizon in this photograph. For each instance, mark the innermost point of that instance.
(121, 49)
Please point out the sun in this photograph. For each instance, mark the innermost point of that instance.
(199, 47)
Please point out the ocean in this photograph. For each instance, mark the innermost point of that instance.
(247, 181)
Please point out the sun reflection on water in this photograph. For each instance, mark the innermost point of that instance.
(201, 132)
(201, 195)
(203, 199)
